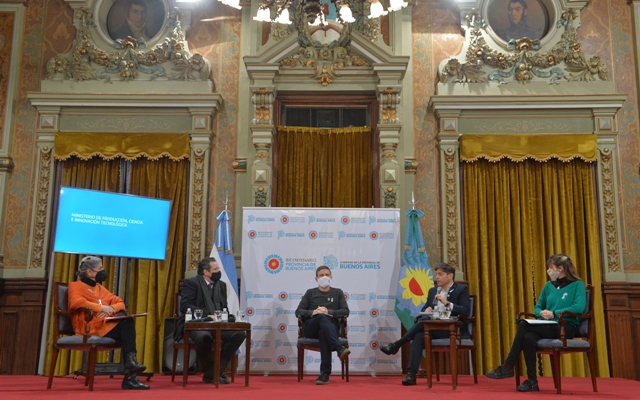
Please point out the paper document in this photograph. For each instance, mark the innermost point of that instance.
(540, 321)
(121, 317)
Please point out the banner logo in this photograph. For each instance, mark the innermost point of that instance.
(313, 235)
(282, 328)
(284, 219)
(374, 313)
(273, 264)
(250, 311)
(252, 234)
(330, 261)
(372, 220)
(283, 296)
(250, 219)
(374, 344)
(373, 235)
(282, 360)
(345, 220)
(346, 296)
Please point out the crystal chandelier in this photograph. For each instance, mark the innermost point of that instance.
(314, 14)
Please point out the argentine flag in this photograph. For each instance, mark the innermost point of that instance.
(223, 253)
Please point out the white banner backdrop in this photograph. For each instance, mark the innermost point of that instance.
(282, 247)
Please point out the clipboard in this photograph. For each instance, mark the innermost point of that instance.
(121, 317)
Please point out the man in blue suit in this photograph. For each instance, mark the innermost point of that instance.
(453, 295)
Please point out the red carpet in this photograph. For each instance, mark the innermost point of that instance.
(286, 387)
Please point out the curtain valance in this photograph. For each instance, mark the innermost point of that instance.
(306, 129)
(129, 146)
(537, 147)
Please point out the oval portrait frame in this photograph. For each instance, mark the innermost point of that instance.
(112, 19)
(537, 20)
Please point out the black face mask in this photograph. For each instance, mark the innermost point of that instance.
(215, 277)
(101, 276)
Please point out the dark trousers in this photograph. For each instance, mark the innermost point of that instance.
(526, 340)
(322, 328)
(204, 340)
(125, 333)
(416, 334)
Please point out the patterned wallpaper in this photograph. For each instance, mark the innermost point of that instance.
(436, 36)
(6, 40)
(606, 30)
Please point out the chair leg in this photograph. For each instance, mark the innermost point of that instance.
(91, 367)
(346, 367)
(473, 365)
(556, 371)
(300, 362)
(592, 369)
(436, 360)
(52, 367)
(173, 365)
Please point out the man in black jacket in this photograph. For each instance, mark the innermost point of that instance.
(321, 309)
(453, 295)
(207, 292)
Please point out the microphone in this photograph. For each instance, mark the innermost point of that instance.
(438, 291)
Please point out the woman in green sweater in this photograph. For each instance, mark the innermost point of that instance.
(564, 292)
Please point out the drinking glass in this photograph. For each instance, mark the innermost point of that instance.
(218, 315)
(197, 313)
(242, 316)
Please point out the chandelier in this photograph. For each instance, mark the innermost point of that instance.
(313, 10)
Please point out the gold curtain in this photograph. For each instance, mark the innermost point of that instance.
(324, 167)
(153, 282)
(96, 174)
(128, 146)
(515, 216)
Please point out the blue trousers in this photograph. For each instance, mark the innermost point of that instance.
(323, 328)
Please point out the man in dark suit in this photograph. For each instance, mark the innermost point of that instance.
(452, 295)
(207, 292)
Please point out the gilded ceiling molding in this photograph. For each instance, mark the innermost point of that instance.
(132, 60)
(520, 60)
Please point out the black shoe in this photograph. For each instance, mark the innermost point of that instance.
(389, 349)
(322, 379)
(410, 379)
(207, 377)
(224, 380)
(500, 373)
(131, 364)
(131, 382)
(528, 386)
(343, 353)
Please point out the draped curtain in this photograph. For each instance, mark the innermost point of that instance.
(324, 167)
(159, 169)
(517, 214)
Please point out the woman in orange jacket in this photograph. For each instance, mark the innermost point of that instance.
(89, 293)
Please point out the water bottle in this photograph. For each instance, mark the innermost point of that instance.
(225, 315)
(188, 316)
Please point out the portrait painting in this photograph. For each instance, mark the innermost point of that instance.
(135, 18)
(515, 19)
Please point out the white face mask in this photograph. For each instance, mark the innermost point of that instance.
(553, 274)
(324, 281)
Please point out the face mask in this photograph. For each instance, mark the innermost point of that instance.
(324, 281)
(216, 276)
(101, 276)
(553, 274)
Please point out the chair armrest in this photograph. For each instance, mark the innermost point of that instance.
(521, 315)
(300, 327)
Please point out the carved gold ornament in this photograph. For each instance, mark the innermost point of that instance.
(522, 61)
(86, 61)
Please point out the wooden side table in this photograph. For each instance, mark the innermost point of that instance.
(442, 325)
(218, 328)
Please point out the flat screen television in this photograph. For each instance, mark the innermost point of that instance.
(111, 224)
